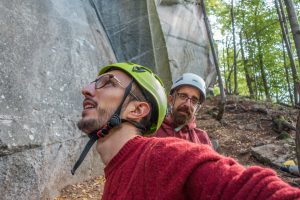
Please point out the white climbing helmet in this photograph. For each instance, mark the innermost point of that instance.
(192, 80)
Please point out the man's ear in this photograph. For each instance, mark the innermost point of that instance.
(170, 100)
(137, 110)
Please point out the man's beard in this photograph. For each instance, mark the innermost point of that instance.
(181, 119)
(93, 124)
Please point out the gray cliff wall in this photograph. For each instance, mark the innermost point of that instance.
(182, 22)
(49, 49)
(169, 36)
(135, 34)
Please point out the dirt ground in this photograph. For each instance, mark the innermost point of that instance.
(246, 123)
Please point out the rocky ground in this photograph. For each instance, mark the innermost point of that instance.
(245, 124)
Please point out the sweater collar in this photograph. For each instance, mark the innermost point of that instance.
(124, 151)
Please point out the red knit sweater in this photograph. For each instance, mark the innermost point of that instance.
(189, 132)
(173, 169)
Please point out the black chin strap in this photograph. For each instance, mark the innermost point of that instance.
(115, 120)
(136, 124)
(93, 138)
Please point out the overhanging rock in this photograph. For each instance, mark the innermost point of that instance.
(187, 43)
(168, 37)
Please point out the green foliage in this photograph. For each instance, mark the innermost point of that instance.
(258, 24)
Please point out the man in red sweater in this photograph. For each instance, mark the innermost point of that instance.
(185, 99)
(126, 101)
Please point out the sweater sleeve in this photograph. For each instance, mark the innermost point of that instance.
(226, 179)
(168, 164)
(196, 171)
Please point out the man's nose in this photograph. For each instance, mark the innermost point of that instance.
(189, 104)
(89, 90)
(188, 101)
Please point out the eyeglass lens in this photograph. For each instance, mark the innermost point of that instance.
(185, 97)
(101, 81)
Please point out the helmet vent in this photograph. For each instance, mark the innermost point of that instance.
(138, 69)
(180, 79)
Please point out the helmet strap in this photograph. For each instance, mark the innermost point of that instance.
(115, 120)
(93, 138)
(170, 107)
(136, 124)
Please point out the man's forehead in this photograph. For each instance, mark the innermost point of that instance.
(189, 90)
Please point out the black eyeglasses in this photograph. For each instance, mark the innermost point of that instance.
(184, 97)
(110, 79)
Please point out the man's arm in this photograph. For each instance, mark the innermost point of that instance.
(226, 179)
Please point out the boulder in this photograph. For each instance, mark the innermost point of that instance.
(273, 154)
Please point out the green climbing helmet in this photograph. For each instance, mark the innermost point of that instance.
(149, 82)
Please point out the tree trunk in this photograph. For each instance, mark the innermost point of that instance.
(251, 51)
(228, 80)
(227, 83)
(224, 63)
(288, 47)
(298, 140)
(260, 60)
(216, 61)
(294, 24)
(262, 71)
(247, 74)
(287, 74)
(234, 50)
(284, 21)
(245, 62)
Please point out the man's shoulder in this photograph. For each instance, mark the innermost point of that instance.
(203, 136)
(163, 150)
(168, 144)
(199, 130)
(164, 130)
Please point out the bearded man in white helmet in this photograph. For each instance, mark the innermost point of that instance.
(185, 99)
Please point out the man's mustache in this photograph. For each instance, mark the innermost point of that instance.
(185, 109)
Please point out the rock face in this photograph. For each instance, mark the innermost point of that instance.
(49, 49)
(275, 154)
(169, 36)
(186, 38)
